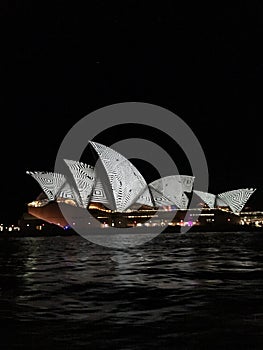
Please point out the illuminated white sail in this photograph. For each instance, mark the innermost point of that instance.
(99, 194)
(186, 181)
(220, 203)
(49, 182)
(126, 181)
(170, 190)
(67, 191)
(84, 177)
(146, 198)
(236, 199)
(159, 199)
(208, 198)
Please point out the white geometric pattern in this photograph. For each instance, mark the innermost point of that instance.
(236, 199)
(49, 182)
(127, 186)
(186, 181)
(146, 198)
(158, 191)
(83, 175)
(208, 198)
(98, 194)
(184, 201)
(68, 192)
(171, 188)
(126, 181)
(159, 199)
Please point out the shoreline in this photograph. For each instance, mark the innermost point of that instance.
(52, 232)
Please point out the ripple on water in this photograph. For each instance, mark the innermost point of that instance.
(175, 290)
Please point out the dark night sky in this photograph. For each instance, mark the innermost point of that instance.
(63, 61)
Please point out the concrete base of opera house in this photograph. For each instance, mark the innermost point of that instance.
(68, 219)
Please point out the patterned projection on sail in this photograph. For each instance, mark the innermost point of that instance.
(208, 198)
(170, 188)
(236, 199)
(126, 181)
(186, 181)
(83, 175)
(98, 194)
(49, 182)
(146, 198)
(67, 191)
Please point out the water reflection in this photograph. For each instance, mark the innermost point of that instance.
(177, 285)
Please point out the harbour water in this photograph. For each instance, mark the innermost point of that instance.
(178, 291)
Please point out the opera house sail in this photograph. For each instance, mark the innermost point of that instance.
(49, 182)
(83, 175)
(126, 181)
(115, 187)
(169, 190)
(235, 199)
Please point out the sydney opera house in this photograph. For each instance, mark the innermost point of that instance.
(116, 194)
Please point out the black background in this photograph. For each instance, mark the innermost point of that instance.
(61, 61)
